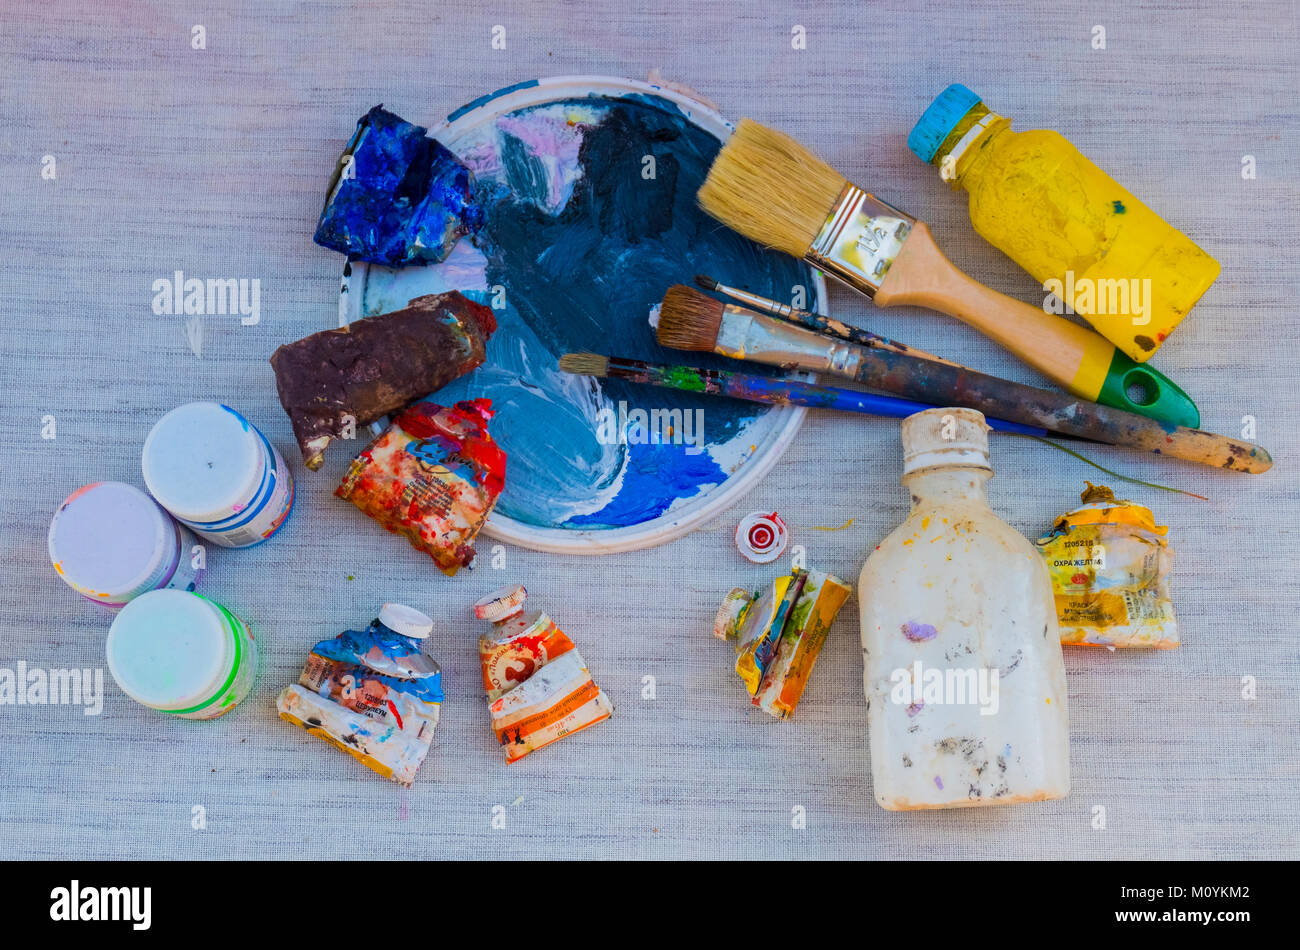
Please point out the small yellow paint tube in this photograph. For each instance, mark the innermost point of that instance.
(756, 621)
(779, 632)
(1109, 563)
(801, 641)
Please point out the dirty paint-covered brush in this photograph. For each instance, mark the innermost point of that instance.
(815, 321)
(770, 188)
(771, 390)
(690, 320)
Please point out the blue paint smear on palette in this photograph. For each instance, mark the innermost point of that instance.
(485, 99)
(644, 493)
(582, 234)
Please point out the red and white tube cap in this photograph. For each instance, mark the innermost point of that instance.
(761, 537)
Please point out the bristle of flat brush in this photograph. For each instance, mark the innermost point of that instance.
(688, 320)
(770, 188)
(705, 282)
(584, 364)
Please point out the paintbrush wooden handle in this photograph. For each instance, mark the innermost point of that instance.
(852, 334)
(1082, 361)
(922, 276)
(949, 386)
(895, 347)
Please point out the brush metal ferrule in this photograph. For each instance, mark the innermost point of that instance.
(765, 304)
(746, 335)
(860, 239)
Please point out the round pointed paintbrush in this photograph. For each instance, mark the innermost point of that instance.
(772, 390)
(690, 320)
(815, 321)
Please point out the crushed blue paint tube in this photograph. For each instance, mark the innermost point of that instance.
(398, 197)
(372, 693)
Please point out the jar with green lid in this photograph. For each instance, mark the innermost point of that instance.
(182, 654)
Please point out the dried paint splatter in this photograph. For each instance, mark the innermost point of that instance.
(917, 632)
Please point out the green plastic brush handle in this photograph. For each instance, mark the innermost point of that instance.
(1157, 396)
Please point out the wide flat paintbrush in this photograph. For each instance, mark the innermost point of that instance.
(815, 321)
(772, 390)
(770, 188)
(690, 320)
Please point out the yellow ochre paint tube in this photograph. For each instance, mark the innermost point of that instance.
(1110, 563)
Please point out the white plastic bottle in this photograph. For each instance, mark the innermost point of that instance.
(962, 666)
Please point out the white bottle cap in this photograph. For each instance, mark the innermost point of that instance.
(110, 541)
(502, 603)
(170, 649)
(405, 620)
(203, 461)
(945, 437)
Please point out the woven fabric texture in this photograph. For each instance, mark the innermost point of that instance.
(214, 162)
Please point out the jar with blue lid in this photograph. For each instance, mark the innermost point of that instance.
(218, 474)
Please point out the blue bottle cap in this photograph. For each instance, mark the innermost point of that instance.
(939, 119)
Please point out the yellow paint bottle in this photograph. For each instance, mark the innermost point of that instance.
(1035, 197)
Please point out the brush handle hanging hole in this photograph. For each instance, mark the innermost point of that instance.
(1141, 387)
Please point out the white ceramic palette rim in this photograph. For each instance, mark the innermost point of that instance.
(683, 517)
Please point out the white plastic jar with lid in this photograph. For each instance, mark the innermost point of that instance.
(217, 473)
(110, 542)
(182, 654)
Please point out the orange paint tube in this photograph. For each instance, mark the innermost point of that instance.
(1110, 563)
(519, 644)
(538, 686)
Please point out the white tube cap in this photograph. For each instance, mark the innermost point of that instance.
(945, 437)
(405, 620)
(501, 604)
